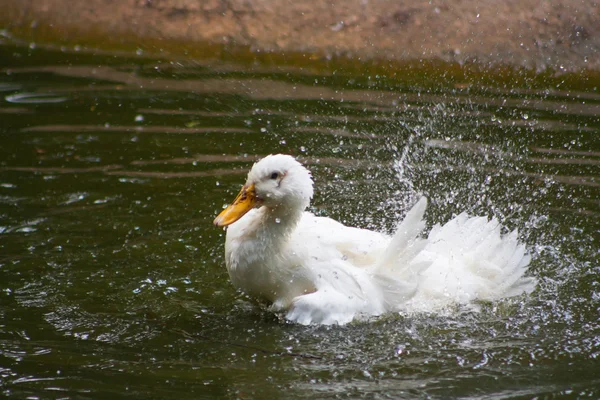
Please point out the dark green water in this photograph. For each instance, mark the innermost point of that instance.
(112, 278)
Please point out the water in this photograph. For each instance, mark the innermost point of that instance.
(112, 278)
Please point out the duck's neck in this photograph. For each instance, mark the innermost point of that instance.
(277, 224)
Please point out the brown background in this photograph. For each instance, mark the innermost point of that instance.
(561, 35)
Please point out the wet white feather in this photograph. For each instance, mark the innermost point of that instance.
(318, 271)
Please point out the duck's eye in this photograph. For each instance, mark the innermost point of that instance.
(274, 175)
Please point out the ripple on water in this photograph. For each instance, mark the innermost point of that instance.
(35, 98)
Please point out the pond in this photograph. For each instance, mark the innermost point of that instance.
(112, 276)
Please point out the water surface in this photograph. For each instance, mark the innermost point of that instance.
(112, 277)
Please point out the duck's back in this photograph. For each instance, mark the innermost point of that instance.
(367, 273)
(329, 240)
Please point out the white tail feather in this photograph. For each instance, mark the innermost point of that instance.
(465, 259)
(405, 243)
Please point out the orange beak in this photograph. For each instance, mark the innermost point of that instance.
(244, 202)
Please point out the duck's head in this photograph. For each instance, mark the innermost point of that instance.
(278, 182)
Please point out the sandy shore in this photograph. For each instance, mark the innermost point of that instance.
(560, 35)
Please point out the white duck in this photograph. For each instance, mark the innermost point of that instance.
(319, 271)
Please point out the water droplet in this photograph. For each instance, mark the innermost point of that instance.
(139, 118)
(277, 220)
(400, 349)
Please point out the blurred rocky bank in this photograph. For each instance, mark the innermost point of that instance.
(541, 35)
